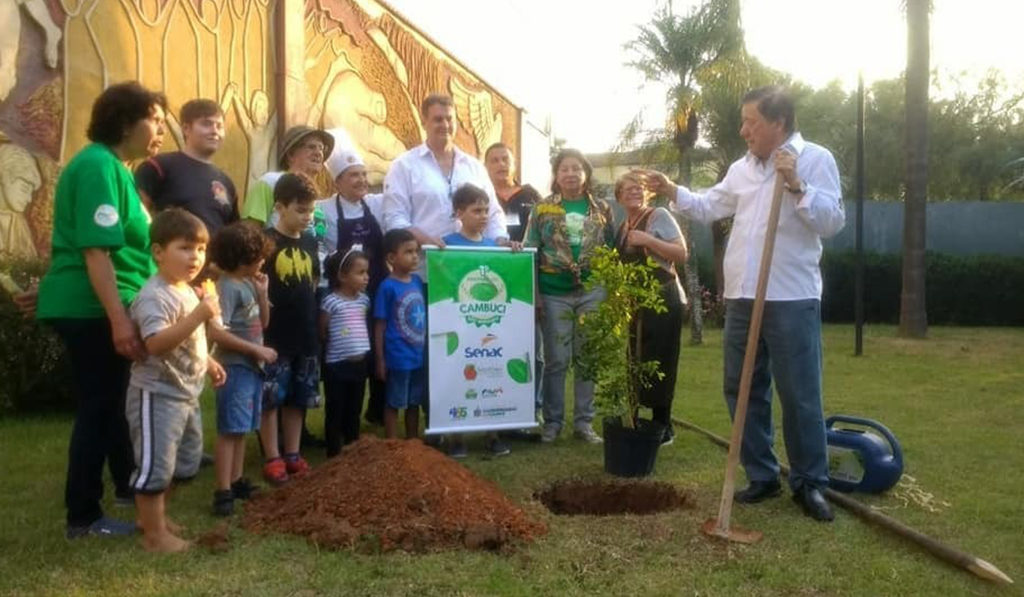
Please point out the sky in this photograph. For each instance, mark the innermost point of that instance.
(565, 58)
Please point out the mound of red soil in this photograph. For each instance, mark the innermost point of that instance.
(605, 498)
(392, 494)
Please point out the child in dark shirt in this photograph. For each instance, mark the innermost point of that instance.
(292, 382)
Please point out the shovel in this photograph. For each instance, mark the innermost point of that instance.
(720, 527)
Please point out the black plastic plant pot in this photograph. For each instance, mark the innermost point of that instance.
(631, 452)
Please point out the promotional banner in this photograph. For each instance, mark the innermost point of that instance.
(480, 334)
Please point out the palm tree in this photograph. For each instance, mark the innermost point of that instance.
(913, 315)
(723, 85)
(677, 48)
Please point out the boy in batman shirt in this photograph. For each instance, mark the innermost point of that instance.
(292, 382)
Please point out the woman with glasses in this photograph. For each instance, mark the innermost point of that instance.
(303, 151)
(99, 263)
(650, 232)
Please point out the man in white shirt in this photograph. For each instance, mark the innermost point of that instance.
(418, 191)
(420, 183)
(790, 345)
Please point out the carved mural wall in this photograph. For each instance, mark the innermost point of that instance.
(366, 71)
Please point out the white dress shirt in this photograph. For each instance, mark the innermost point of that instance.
(746, 193)
(417, 194)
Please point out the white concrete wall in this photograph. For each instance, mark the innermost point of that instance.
(535, 168)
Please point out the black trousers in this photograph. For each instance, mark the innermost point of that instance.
(375, 405)
(344, 384)
(100, 431)
(660, 340)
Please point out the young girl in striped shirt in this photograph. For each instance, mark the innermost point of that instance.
(346, 338)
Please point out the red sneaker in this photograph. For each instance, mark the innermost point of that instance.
(275, 472)
(297, 466)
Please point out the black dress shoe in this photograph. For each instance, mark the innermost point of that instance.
(813, 503)
(758, 491)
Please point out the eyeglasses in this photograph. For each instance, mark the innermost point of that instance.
(313, 147)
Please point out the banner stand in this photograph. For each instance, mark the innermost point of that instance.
(481, 338)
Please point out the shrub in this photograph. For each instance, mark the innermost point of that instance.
(35, 374)
(606, 357)
(983, 290)
(713, 308)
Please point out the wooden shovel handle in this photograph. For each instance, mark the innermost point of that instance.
(753, 334)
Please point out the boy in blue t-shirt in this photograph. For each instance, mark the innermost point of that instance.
(471, 204)
(400, 318)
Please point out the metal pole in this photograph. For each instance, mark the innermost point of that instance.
(858, 284)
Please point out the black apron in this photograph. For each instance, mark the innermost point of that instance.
(365, 231)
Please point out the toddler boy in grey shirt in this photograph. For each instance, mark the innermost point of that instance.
(162, 405)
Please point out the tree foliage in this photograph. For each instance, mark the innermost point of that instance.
(676, 49)
(976, 131)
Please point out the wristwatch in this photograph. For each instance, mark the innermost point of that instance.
(799, 190)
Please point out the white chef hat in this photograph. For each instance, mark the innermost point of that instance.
(344, 155)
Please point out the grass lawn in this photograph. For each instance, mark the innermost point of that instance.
(954, 401)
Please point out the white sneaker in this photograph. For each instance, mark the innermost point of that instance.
(549, 434)
(587, 434)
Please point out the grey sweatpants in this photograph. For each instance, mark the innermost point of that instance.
(167, 438)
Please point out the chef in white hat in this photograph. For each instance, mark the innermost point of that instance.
(356, 209)
(352, 217)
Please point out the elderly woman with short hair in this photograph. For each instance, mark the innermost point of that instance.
(653, 232)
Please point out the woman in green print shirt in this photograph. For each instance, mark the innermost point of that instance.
(100, 261)
(566, 228)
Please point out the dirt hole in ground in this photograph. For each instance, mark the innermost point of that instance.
(380, 495)
(607, 498)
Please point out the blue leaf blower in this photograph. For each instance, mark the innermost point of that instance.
(860, 459)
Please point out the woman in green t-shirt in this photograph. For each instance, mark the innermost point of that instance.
(566, 228)
(100, 261)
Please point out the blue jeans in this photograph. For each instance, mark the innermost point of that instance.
(789, 350)
(563, 340)
(405, 388)
(291, 381)
(240, 400)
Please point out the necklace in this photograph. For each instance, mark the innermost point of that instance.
(632, 221)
